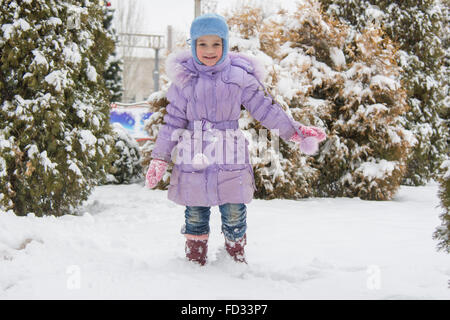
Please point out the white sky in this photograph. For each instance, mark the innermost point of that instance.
(157, 14)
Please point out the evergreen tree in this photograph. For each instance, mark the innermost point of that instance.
(442, 233)
(55, 137)
(113, 69)
(281, 171)
(126, 168)
(445, 113)
(340, 79)
(418, 27)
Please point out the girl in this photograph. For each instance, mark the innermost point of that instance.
(209, 85)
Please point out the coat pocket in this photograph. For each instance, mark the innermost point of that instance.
(192, 185)
(235, 183)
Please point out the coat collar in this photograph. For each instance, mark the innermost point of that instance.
(181, 66)
(201, 68)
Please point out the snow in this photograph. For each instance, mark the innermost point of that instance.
(377, 170)
(87, 139)
(337, 56)
(71, 53)
(287, 87)
(384, 82)
(126, 244)
(395, 138)
(83, 109)
(316, 103)
(46, 162)
(91, 73)
(32, 151)
(424, 129)
(24, 25)
(3, 172)
(39, 58)
(375, 108)
(374, 13)
(75, 169)
(7, 30)
(123, 134)
(409, 137)
(5, 143)
(58, 79)
(446, 165)
(54, 21)
(431, 83)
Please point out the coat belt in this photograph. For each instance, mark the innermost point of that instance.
(206, 124)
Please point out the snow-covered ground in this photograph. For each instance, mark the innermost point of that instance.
(127, 245)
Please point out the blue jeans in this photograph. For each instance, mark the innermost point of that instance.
(233, 216)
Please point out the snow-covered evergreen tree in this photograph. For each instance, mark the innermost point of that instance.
(281, 172)
(418, 28)
(442, 233)
(445, 113)
(55, 137)
(341, 79)
(113, 69)
(126, 168)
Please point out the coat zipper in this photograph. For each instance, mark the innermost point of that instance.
(215, 97)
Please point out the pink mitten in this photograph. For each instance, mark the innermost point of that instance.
(155, 172)
(309, 139)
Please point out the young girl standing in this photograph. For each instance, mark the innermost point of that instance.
(209, 85)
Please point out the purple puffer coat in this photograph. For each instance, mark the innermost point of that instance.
(203, 98)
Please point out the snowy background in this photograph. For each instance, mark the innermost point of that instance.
(126, 244)
(125, 241)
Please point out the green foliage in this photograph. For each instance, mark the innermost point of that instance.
(55, 138)
(113, 69)
(442, 233)
(340, 79)
(126, 168)
(419, 28)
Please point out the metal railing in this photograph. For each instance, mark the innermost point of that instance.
(133, 104)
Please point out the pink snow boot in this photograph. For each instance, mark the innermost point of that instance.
(236, 248)
(196, 248)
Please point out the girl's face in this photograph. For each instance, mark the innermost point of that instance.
(209, 49)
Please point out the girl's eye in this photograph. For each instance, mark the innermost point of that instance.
(204, 44)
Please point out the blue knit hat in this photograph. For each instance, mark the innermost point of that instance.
(208, 24)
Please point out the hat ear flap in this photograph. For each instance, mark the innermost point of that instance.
(194, 51)
(224, 50)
